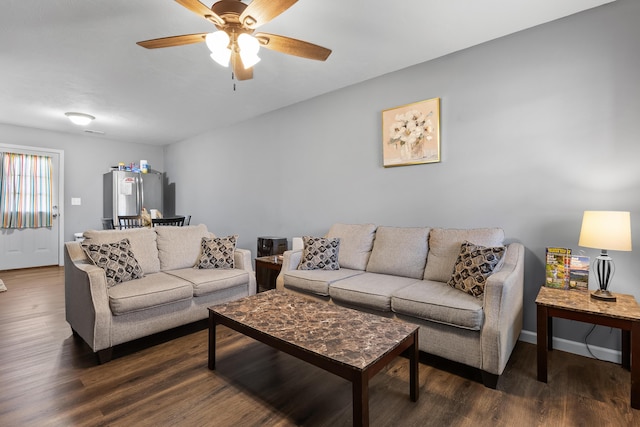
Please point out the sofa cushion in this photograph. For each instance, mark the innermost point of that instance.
(206, 281)
(444, 248)
(142, 241)
(217, 252)
(368, 290)
(179, 247)
(147, 292)
(473, 266)
(316, 281)
(400, 251)
(437, 302)
(319, 253)
(356, 241)
(116, 259)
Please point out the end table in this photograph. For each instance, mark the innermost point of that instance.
(272, 264)
(623, 314)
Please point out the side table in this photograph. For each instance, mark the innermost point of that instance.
(622, 314)
(272, 264)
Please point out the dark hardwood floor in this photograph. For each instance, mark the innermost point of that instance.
(49, 378)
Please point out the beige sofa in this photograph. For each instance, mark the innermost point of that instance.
(403, 273)
(171, 293)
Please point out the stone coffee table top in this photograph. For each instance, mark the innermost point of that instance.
(341, 334)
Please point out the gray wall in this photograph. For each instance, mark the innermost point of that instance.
(86, 158)
(536, 128)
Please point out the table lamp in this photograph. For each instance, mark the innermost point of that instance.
(607, 231)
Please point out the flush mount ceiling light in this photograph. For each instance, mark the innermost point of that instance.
(80, 119)
(235, 43)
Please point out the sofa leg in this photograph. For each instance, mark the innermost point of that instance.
(490, 380)
(104, 355)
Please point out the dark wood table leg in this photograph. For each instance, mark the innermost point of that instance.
(414, 375)
(361, 399)
(542, 342)
(626, 349)
(212, 341)
(549, 333)
(635, 365)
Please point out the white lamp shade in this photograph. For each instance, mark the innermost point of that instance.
(249, 47)
(249, 59)
(222, 57)
(217, 41)
(609, 230)
(248, 43)
(218, 44)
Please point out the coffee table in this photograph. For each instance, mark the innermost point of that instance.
(348, 343)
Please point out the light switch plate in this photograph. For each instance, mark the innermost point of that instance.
(76, 201)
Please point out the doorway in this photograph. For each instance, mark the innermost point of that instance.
(36, 247)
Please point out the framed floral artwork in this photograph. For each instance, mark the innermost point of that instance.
(411, 134)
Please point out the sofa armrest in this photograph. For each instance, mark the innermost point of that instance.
(290, 261)
(86, 300)
(242, 259)
(503, 304)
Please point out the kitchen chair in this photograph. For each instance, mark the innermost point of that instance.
(129, 221)
(175, 221)
(107, 224)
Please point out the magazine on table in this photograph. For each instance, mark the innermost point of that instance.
(558, 262)
(579, 273)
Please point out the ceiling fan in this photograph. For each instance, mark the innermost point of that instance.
(235, 42)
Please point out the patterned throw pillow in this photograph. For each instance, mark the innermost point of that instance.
(474, 265)
(320, 253)
(116, 259)
(217, 252)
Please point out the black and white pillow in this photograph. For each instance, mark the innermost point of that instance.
(116, 259)
(320, 253)
(217, 252)
(473, 266)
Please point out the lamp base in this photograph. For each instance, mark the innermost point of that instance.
(603, 295)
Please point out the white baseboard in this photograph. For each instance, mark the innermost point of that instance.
(576, 347)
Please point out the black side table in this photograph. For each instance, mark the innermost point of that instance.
(267, 270)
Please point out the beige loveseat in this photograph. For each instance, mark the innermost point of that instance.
(404, 273)
(171, 293)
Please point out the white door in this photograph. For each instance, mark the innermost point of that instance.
(34, 247)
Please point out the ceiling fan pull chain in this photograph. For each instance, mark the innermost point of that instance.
(233, 78)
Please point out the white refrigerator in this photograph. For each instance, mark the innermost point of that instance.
(126, 193)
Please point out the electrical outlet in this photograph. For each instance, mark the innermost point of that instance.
(76, 201)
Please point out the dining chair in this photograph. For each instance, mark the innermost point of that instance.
(107, 224)
(175, 221)
(130, 221)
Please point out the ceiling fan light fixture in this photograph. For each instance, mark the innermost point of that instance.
(249, 59)
(222, 57)
(80, 119)
(249, 47)
(218, 44)
(217, 40)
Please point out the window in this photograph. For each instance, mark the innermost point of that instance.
(25, 191)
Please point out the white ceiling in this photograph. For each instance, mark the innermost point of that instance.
(81, 55)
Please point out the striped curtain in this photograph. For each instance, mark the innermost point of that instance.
(25, 191)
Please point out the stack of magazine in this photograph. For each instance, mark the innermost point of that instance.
(565, 270)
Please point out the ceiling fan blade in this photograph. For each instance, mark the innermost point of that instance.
(201, 10)
(259, 12)
(293, 46)
(173, 41)
(239, 71)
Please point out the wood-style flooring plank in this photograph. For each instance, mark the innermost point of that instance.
(50, 378)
